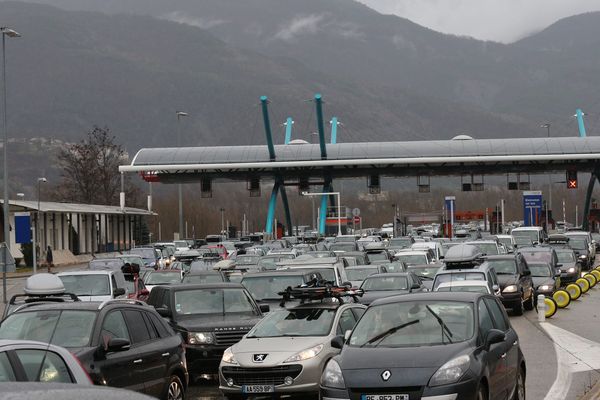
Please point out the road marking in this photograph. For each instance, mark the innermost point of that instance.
(573, 354)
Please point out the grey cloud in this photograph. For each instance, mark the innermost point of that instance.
(300, 25)
(204, 23)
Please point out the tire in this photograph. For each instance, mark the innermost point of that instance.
(520, 386)
(530, 303)
(518, 307)
(482, 393)
(583, 284)
(574, 291)
(591, 278)
(551, 307)
(174, 389)
(562, 298)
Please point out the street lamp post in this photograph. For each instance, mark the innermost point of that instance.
(222, 210)
(549, 204)
(180, 114)
(37, 221)
(11, 34)
(339, 207)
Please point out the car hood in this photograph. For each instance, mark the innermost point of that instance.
(369, 297)
(277, 349)
(211, 323)
(505, 280)
(408, 366)
(542, 280)
(566, 265)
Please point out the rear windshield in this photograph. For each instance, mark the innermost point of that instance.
(385, 283)
(340, 246)
(268, 287)
(360, 274)
(87, 285)
(458, 276)
(504, 267)
(203, 278)
(412, 259)
(147, 254)
(163, 278)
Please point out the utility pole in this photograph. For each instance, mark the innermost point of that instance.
(180, 114)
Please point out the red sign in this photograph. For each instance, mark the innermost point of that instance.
(572, 184)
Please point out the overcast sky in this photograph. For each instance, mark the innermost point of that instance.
(499, 20)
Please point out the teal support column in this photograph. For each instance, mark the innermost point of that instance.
(288, 130)
(334, 125)
(323, 211)
(579, 114)
(320, 127)
(265, 112)
(588, 201)
(271, 211)
(286, 208)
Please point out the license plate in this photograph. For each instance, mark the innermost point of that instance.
(384, 397)
(260, 389)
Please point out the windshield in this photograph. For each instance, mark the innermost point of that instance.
(507, 242)
(578, 244)
(339, 239)
(163, 278)
(385, 283)
(203, 278)
(468, 288)
(504, 267)
(529, 234)
(360, 274)
(405, 242)
(413, 324)
(212, 301)
(132, 260)
(545, 256)
(146, 254)
(106, 264)
(87, 285)
(246, 260)
(181, 243)
(540, 270)
(66, 328)
(268, 287)
(458, 276)
(426, 272)
(412, 259)
(486, 248)
(343, 246)
(565, 257)
(378, 256)
(298, 322)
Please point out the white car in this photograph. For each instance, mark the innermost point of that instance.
(95, 285)
(464, 286)
(414, 257)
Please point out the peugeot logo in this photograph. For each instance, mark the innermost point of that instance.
(385, 375)
(258, 358)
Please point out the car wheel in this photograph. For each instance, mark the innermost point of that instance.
(520, 386)
(518, 307)
(482, 392)
(530, 303)
(174, 390)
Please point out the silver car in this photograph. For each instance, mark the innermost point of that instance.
(285, 353)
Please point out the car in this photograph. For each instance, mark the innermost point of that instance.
(426, 271)
(581, 247)
(508, 241)
(514, 278)
(95, 285)
(401, 242)
(209, 318)
(439, 345)
(181, 245)
(434, 246)
(570, 266)
(356, 275)
(354, 258)
(589, 239)
(30, 361)
(121, 343)
(346, 239)
(342, 247)
(132, 259)
(205, 277)
(285, 353)
(545, 280)
(389, 284)
(414, 257)
(541, 253)
(535, 234)
(332, 269)
(247, 259)
(464, 286)
(163, 277)
(488, 247)
(151, 256)
(269, 262)
(320, 254)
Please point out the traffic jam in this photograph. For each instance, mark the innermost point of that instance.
(360, 316)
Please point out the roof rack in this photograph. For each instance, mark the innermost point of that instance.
(319, 290)
(33, 300)
(127, 301)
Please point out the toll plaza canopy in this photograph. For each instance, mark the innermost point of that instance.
(437, 157)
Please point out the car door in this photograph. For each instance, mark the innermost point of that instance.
(117, 368)
(511, 342)
(494, 358)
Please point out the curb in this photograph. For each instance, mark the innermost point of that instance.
(593, 393)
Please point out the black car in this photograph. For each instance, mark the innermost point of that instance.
(545, 281)
(209, 317)
(120, 343)
(455, 345)
(514, 278)
(570, 266)
(377, 286)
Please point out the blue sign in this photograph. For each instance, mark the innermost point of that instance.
(22, 228)
(532, 207)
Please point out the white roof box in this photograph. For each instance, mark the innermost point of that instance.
(44, 284)
(462, 253)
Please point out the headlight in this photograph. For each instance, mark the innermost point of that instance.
(305, 354)
(332, 376)
(450, 372)
(571, 270)
(200, 338)
(583, 257)
(510, 289)
(545, 288)
(228, 356)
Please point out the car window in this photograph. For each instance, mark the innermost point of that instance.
(137, 326)
(6, 371)
(163, 332)
(358, 312)
(485, 320)
(499, 318)
(346, 322)
(114, 326)
(43, 366)
(150, 327)
(114, 282)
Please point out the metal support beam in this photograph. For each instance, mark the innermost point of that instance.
(264, 101)
(288, 130)
(323, 210)
(334, 125)
(579, 115)
(271, 211)
(320, 127)
(588, 200)
(286, 208)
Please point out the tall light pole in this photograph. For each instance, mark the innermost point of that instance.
(11, 34)
(339, 207)
(222, 220)
(180, 114)
(549, 204)
(37, 221)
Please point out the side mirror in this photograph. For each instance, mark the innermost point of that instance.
(526, 272)
(337, 342)
(558, 265)
(264, 308)
(495, 336)
(557, 274)
(164, 312)
(441, 257)
(415, 286)
(118, 291)
(117, 344)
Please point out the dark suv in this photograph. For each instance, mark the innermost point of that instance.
(515, 281)
(209, 317)
(121, 343)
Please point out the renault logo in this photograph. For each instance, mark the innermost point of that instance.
(385, 375)
(258, 358)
